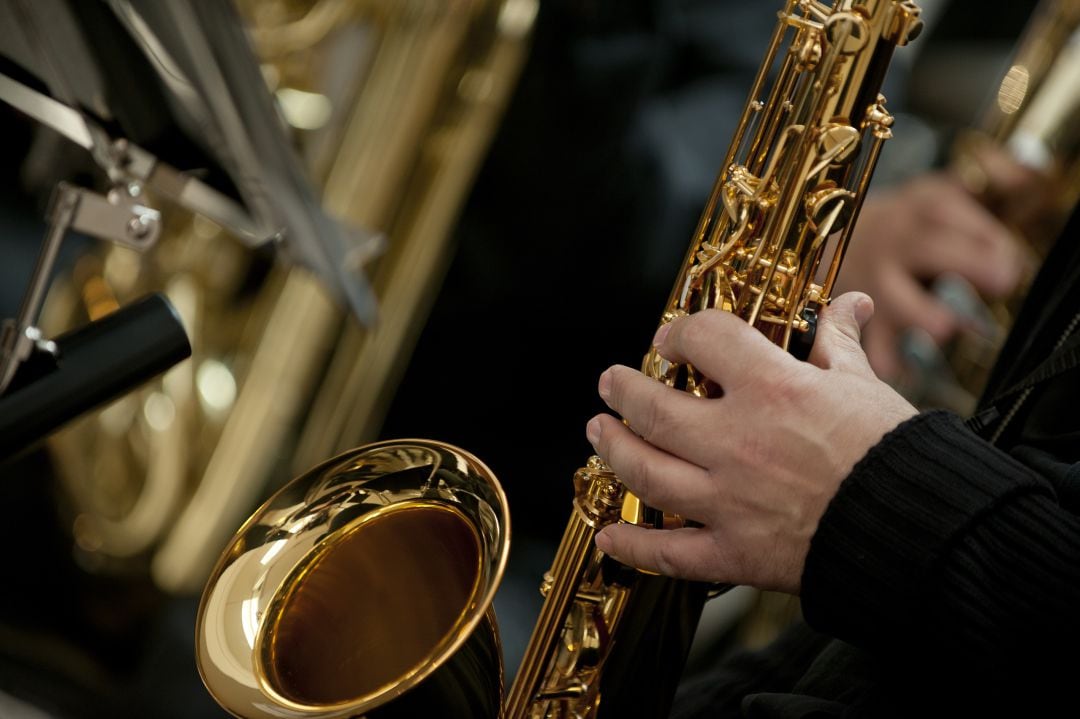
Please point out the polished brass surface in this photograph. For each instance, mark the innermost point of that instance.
(768, 249)
(356, 583)
(320, 645)
(610, 641)
(1031, 122)
(392, 104)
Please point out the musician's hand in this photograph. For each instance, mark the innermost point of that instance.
(907, 237)
(757, 466)
(1019, 195)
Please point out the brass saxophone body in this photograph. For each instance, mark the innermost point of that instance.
(610, 640)
(1033, 121)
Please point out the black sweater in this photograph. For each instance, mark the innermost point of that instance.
(953, 562)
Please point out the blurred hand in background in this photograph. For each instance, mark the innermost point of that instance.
(912, 234)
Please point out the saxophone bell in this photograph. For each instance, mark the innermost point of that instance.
(363, 587)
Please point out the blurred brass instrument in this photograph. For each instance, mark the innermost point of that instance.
(392, 104)
(317, 609)
(1033, 121)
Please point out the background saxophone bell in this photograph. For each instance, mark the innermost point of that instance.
(581, 206)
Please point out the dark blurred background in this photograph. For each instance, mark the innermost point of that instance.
(564, 254)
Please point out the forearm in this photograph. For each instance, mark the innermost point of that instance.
(938, 539)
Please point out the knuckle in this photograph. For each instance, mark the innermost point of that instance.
(740, 566)
(631, 466)
(695, 331)
(700, 331)
(613, 450)
(730, 557)
(787, 388)
(607, 445)
(645, 481)
(665, 559)
(750, 452)
(716, 322)
(657, 417)
(649, 418)
(621, 387)
(615, 385)
(937, 213)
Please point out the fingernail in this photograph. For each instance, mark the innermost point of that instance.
(603, 542)
(661, 333)
(863, 310)
(605, 384)
(593, 431)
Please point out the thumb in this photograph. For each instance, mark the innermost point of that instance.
(839, 334)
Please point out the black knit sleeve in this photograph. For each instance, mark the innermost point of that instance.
(942, 547)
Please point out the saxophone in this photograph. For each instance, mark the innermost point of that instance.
(364, 587)
(1032, 121)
